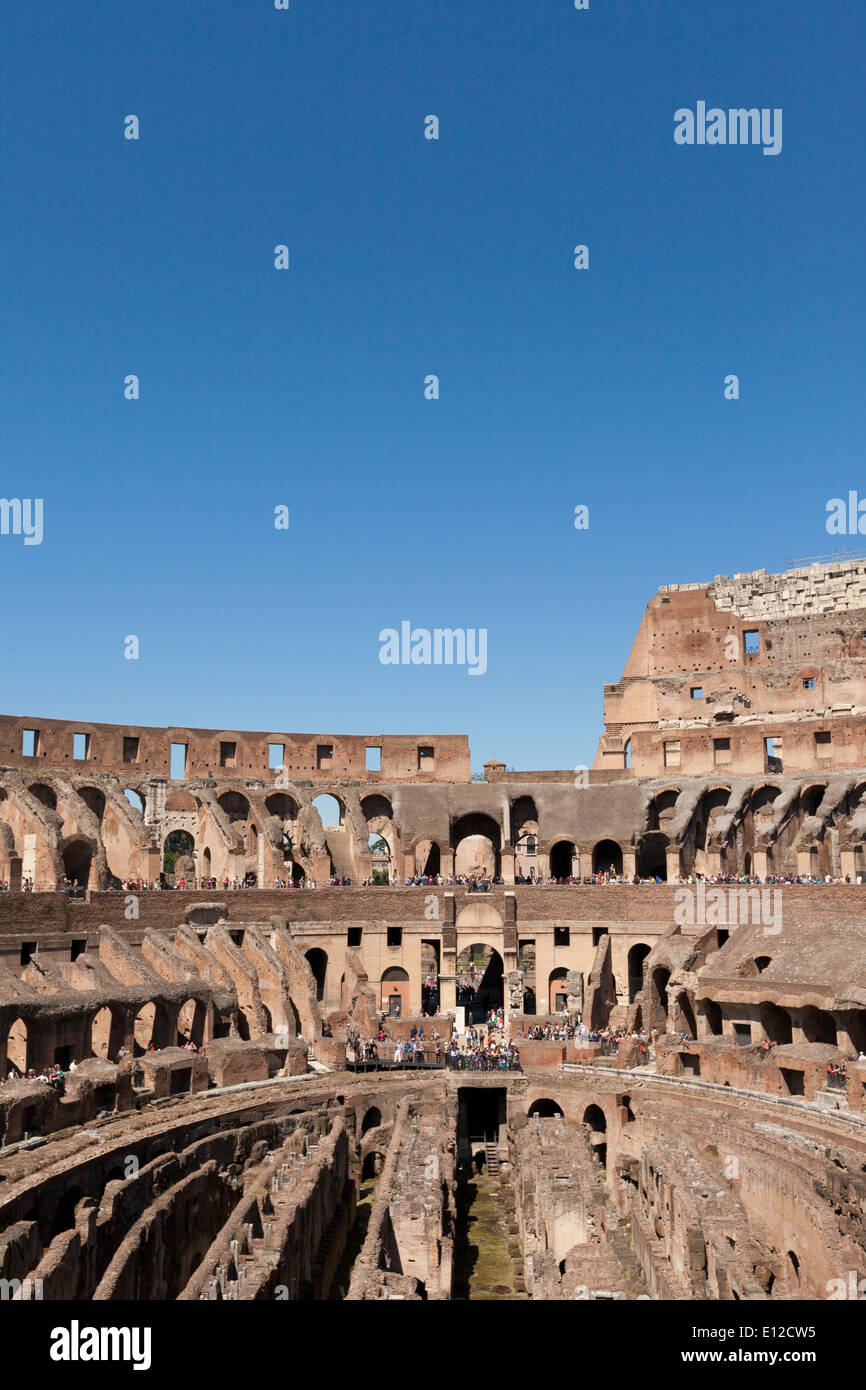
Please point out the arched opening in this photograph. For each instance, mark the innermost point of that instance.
(776, 1023)
(318, 963)
(545, 1109)
(135, 799)
(562, 858)
(596, 1123)
(190, 1023)
(77, 858)
(660, 978)
(205, 863)
(372, 1119)
(106, 1034)
(372, 1165)
(380, 858)
(684, 1017)
(607, 858)
(636, 957)
(476, 841)
(143, 1028)
(395, 992)
(179, 844)
(480, 985)
(557, 991)
(427, 859)
(16, 1046)
(64, 1213)
(793, 1269)
(652, 860)
(94, 799)
(331, 810)
(283, 806)
(819, 1026)
(234, 805)
(45, 794)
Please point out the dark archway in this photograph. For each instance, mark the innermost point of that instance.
(318, 962)
(636, 957)
(179, 844)
(77, 859)
(776, 1023)
(372, 1119)
(544, 1109)
(607, 857)
(395, 992)
(562, 857)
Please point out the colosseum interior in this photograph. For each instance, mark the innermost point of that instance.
(198, 926)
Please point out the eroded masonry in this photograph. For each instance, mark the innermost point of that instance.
(197, 925)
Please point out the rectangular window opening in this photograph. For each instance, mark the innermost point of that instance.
(697, 692)
(395, 936)
(353, 936)
(80, 747)
(373, 759)
(28, 951)
(823, 741)
(425, 757)
(178, 761)
(77, 949)
(228, 754)
(562, 936)
(721, 750)
(324, 755)
(276, 755)
(29, 743)
(130, 750)
(773, 754)
(752, 640)
(808, 682)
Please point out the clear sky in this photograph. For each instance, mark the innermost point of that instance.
(410, 257)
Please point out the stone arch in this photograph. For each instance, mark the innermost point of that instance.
(77, 861)
(636, 957)
(191, 1023)
(556, 990)
(394, 991)
(607, 854)
(331, 809)
(234, 805)
(652, 859)
(94, 799)
(595, 1122)
(684, 1015)
(776, 1023)
(17, 1050)
(489, 992)
(106, 1033)
(372, 1119)
(317, 960)
(563, 854)
(662, 808)
(372, 1165)
(178, 845)
(45, 794)
(476, 839)
(427, 858)
(136, 799)
(544, 1108)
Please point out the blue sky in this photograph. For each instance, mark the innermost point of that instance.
(408, 257)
